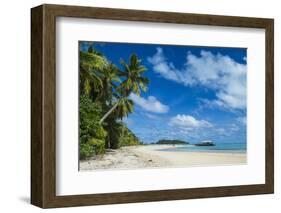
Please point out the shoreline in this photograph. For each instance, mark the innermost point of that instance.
(167, 150)
(151, 156)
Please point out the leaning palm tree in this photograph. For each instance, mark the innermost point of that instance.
(122, 109)
(124, 106)
(133, 82)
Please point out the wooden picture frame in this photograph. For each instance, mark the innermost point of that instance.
(43, 105)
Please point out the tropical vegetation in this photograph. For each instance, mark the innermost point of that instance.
(105, 90)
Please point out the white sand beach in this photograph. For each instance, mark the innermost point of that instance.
(151, 156)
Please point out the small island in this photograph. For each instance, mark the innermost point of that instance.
(164, 141)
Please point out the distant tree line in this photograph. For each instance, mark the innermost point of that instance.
(171, 142)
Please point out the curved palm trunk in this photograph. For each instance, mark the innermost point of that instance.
(108, 141)
(109, 112)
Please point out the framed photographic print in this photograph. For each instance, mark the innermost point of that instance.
(136, 106)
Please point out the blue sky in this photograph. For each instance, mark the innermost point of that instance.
(195, 93)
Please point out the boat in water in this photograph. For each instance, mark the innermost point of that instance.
(205, 143)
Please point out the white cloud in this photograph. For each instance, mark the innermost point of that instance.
(151, 116)
(188, 122)
(218, 72)
(161, 66)
(151, 104)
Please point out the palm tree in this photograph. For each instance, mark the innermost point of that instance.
(123, 107)
(134, 82)
(91, 64)
(109, 79)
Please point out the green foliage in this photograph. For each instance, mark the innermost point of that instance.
(92, 60)
(92, 134)
(127, 137)
(98, 145)
(125, 106)
(134, 81)
(91, 67)
(104, 101)
(86, 150)
(171, 142)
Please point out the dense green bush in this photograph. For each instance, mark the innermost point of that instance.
(86, 150)
(127, 137)
(92, 135)
(98, 145)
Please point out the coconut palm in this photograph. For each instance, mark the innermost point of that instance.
(91, 65)
(109, 80)
(133, 82)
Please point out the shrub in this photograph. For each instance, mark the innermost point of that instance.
(101, 133)
(127, 137)
(89, 128)
(86, 150)
(98, 145)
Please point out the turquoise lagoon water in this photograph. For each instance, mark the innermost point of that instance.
(219, 147)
